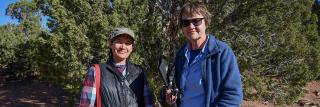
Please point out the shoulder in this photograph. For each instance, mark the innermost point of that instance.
(136, 72)
(225, 48)
(217, 46)
(223, 51)
(135, 68)
(91, 70)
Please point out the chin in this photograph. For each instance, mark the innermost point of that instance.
(195, 37)
(125, 57)
(122, 56)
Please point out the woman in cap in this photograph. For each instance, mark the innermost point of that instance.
(122, 83)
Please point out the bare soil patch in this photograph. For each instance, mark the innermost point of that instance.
(311, 98)
(30, 93)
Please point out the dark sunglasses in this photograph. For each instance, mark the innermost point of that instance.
(195, 22)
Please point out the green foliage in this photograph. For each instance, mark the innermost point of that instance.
(22, 36)
(9, 42)
(276, 42)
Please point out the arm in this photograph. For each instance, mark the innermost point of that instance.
(231, 86)
(88, 93)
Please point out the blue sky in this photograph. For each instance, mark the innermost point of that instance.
(4, 19)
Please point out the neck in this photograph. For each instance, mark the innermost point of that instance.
(198, 43)
(119, 62)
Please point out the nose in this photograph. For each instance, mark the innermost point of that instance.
(122, 45)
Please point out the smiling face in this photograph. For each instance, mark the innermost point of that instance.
(193, 27)
(121, 47)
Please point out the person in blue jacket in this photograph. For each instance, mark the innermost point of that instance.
(206, 69)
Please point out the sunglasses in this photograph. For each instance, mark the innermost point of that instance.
(195, 22)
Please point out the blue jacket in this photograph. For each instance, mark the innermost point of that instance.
(220, 73)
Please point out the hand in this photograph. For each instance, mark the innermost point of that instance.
(170, 97)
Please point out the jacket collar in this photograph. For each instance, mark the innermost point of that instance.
(211, 46)
(110, 65)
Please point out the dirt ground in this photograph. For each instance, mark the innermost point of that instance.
(311, 98)
(33, 93)
(30, 93)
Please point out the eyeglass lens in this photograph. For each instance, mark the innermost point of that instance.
(195, 22)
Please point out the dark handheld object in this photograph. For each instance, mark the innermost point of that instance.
(167, 74)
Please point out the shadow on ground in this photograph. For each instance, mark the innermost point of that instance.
(31, 93)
